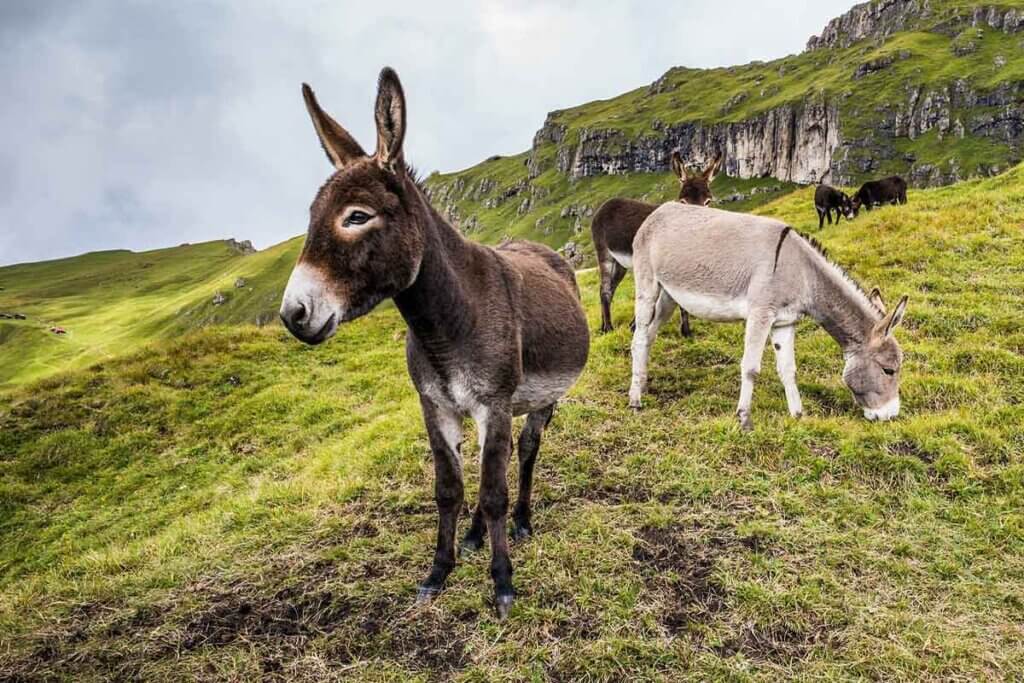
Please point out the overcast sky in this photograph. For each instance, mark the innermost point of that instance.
(146, 124)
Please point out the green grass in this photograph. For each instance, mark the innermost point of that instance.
(229, 504)
(113, 301)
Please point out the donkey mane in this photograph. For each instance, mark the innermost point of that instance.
(820, 249)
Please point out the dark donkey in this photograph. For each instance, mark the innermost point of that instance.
(615, 225)
(492, 333)
(828, 199)
(891, 190)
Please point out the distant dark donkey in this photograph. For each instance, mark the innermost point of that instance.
(828, 199)
(492, 333)
(891, 190)
(615, 225)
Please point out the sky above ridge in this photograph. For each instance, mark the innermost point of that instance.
(137, 125)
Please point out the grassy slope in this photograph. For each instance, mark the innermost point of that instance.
(114, 301)
(732, 94)
(230, 504)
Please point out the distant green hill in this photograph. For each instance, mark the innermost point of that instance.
(929, 89)
(111, 302)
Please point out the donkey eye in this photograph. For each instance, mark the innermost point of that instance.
(889, 371)
(357, 218)
(707, 202)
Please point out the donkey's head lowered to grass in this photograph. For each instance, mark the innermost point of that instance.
(872, 369)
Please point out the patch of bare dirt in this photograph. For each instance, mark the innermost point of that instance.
(681, 566)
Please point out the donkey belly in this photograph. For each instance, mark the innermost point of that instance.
(539, 390)
(710, 306)
(625, 260)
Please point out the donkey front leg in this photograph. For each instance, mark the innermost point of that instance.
(444, 429)
(759, 325)
(497, 446)
(784, 342)
(529, 444)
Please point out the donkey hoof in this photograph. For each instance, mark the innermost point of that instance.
(468, 546)
(426, 594)
(521, 531)
(503, 605)
(746, 424)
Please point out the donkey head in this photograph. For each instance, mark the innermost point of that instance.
(873, 369)
(846, 206)
(695, 188)
(365, 240)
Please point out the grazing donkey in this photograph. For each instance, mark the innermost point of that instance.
(828, 199)
(492, 333)
(730, 266)
(615, 225)
(891, 190)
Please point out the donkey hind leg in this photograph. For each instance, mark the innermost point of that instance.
(784, 342)
(529, 444)
(444, 430)
(653, 307)
(611, 272)
(821, 217)
(684, 323)
(759, 326)
(494, 457)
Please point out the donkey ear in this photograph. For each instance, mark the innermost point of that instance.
(390, 115)
(893, 319)
(677, 165)
(341, 148)
(876, 298)
(711, 171)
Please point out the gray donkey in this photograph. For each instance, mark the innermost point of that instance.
(725, 266)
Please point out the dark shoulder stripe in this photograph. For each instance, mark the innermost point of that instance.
(778, 247)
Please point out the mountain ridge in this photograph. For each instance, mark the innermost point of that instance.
(929, 89)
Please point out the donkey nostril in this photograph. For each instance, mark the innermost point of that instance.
(294, 316)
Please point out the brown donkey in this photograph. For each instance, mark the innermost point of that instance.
(492, 333)
(615, 225)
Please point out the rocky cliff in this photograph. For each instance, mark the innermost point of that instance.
(883, 18)
(792, 142)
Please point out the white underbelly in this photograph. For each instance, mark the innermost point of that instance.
(541, 390)
(625, 260)
(710, 306)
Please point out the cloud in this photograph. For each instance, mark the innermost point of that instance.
(140, 125)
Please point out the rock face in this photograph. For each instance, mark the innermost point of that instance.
(793, 142)
(875, 20)
(952, 112)
(243, 247)
(880, 19)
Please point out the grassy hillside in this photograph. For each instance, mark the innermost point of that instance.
(232, 505)
(936, 55)
(114, 301)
